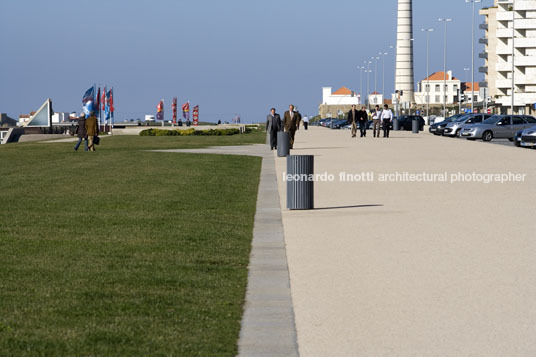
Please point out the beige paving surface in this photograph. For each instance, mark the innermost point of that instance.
(413, 269)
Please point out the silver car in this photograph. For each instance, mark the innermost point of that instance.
(498, 126)
(528, 137)
(455, 128)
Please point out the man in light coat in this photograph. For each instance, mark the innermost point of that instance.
(92, 130)
(273, 125)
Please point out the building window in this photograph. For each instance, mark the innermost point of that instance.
(437, 88)
(427, 88)
(375, 100)
(437, 99)
(455, 88)
(446, 87)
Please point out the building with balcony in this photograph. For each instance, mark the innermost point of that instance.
(432, 89)
(489, 54)
(514, 49)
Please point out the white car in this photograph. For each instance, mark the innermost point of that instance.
(528, 137)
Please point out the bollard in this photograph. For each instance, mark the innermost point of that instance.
(283, 144)
(300, 182)
(415, 126)
(395, 124)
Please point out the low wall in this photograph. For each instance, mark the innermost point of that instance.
(137, 129)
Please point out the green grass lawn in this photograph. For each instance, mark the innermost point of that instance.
(124, 251)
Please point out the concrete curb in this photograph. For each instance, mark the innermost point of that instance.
(268, 327)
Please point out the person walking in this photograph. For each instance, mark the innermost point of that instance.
(273, 125)
(92, 130)
(376, 121)
(289, 122)
(81, 132)
(387, 118)
(363, 121)
(298, 118)
(352, 118)
(305, 122)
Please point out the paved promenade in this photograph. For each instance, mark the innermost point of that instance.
(413, 269)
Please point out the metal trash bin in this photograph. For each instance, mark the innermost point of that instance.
(283, 144)
(300, 182)
(415, 126)
(396, 127)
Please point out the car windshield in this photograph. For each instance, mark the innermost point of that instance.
(463, 118)
(493, 120)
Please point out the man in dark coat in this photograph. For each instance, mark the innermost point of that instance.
(81, 132)
(352, 118)
(289, 122)
(363, 121)
(273, 125)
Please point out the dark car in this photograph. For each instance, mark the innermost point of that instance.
(405, 122)
(337, 123)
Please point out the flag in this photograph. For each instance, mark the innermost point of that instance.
(174, 109)
(160, 110)
(97, 104)
(88, 100)
(103, 99)
(196, 114)
(106, 104)
(186, 111)
(112, 108)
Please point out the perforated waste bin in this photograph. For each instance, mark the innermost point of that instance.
(283, 144)
(300, 182)
(415, 126)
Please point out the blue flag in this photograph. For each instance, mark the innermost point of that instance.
(107, 111)
(88, 101)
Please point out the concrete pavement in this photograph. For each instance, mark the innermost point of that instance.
(413, 268)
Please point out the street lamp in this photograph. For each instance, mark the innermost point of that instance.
(446, 21)
(376, 73)
(368, 81)
(473, 57)
(383, 54)
(361, 68)
(428, 70)
(466, 81)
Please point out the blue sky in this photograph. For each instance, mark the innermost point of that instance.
(235, 56)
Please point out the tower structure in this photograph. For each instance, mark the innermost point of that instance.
(404, 77)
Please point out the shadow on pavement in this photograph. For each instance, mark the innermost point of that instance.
(342, 207)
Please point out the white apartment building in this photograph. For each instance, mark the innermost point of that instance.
(375, 98)
(342, 96)
(489, 54)
(516, 41)
(432, 89)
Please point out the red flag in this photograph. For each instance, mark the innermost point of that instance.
(174, 109)
(196, 114)
(103, 100)
(112, 100)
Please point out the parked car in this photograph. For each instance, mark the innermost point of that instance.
(442, 124)
(517, 138)
(338, 123)
(454, 128)
(498, 126)
(528, 137)
(405, 122)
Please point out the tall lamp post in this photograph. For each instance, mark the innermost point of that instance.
(383, 54)
(473, 57)
(428, 71)
(376, 73)
(446, 21)
(361, 68)
(368, 81)
(466, 80)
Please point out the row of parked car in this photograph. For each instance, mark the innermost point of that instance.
(521, 129)
(404, 123)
